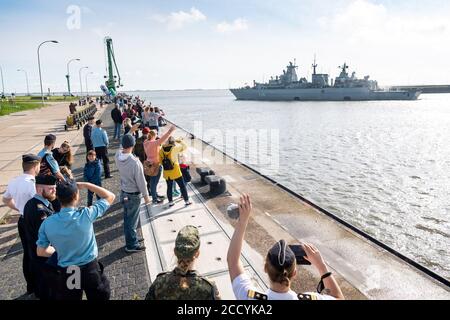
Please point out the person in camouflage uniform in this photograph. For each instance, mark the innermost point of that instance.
(184, 283)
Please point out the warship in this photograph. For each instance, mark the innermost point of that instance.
(287, 87)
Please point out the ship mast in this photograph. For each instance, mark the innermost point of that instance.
(314, 65)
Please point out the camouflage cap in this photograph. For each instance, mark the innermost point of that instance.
(187, 242)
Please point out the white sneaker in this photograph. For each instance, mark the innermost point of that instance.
(171, 204)
(188, 203)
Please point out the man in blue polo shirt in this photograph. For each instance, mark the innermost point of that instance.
(71, 233)
(100, 142)
(49, 166)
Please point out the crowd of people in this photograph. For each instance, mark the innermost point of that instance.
(58, 237)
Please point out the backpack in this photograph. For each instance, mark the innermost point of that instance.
(139, 149)
(45, 169)
(166, 162)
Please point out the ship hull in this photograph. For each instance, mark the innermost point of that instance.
(322, 94)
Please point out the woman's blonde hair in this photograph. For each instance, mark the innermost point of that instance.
(127, 121)
(171, 141)
(69, 155)
(152, 134)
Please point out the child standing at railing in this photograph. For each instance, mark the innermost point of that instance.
(92, 173)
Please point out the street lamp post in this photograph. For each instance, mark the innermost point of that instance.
(3, 85)
(81, 83)
(26, 78)
(68, 75)
(39, 65)
(87, 89)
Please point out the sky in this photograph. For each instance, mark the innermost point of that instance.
(208, 44)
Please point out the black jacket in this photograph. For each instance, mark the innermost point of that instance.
(34, 213)
(116, 115)
(87, 130)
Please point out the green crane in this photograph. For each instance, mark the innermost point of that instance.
(112, 69)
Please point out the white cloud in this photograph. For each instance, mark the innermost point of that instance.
(394, 46)
(177, 20)
(365, 22)
(237, 25)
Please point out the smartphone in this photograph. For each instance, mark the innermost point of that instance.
(300, 254)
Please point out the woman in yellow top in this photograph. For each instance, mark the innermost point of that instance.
(168, 157)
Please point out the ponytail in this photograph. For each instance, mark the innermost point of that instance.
(280, 275)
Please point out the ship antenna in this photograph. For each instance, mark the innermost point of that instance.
(314, 65)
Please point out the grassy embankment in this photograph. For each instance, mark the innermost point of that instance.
(17, 104)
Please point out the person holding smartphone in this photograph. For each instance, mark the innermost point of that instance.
(280, 266)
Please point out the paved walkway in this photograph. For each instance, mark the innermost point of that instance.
(23, 132)
(127, 273)
(20, 133)
(160, 226)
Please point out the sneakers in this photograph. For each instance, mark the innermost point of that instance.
(109, 177)
(171, 204)
(176, 194)
(139, 248)
(188, 203)
(161, 197)
(157, 201)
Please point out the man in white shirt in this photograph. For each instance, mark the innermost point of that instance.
(19, 191)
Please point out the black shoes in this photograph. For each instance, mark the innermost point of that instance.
(139, 248)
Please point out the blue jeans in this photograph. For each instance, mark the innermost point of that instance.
(154, 184)
(117, 129)
(91, 197)
(131, 204)
(182, 186)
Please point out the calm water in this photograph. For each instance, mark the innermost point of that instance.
(382, 166)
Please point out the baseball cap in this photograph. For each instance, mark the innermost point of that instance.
(187, 242)
(146, 130)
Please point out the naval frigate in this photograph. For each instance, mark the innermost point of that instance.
(287, 87)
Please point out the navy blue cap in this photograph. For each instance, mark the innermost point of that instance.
(47, 180)
(281, 256)
(66, 189)
(29, 157)
(128, 141)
